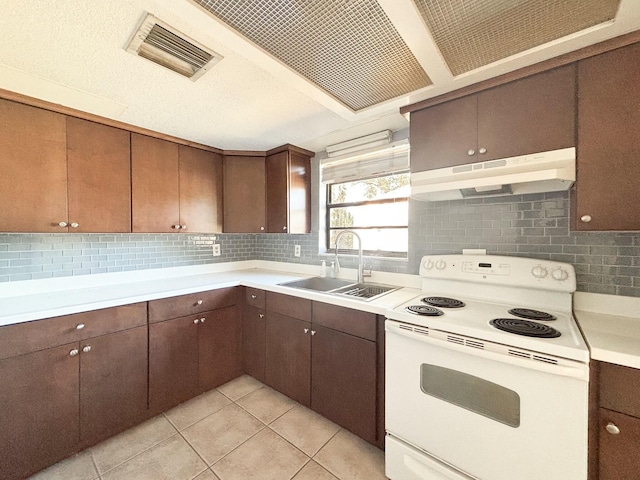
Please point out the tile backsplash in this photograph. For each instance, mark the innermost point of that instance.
(524, 225)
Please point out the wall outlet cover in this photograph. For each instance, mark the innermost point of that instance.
(297, 251)
(216, 249)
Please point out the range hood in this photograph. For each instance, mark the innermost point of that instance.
(534, 173)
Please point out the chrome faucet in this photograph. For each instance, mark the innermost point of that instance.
(361, 273)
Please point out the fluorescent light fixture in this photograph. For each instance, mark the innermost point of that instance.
(378, 139)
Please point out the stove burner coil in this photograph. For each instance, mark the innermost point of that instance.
(531, 314)
(443, 302)
(424, 310)
(525, 327)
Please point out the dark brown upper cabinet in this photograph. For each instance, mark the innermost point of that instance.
(62, 174)
(244, 194)
(175, 188)
(288, 192)
(608, 158)
(534, 114)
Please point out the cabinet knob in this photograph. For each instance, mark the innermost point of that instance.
(202, 320)
(306, 330)
(284, 228)
(80, 326)
(482, 150)
(184, 227)
(471, 152)
(73, 352)
(262, 229)
(261, 315)
(74, 225)
(63, 224)
(197, 320)
(254, 296)
(313, 332)
(86, 348)
(199, 302)
(585, 218)
(612, 428)
(175, 227)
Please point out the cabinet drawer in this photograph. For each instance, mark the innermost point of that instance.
(618, 455)
(620, 388)
(254, 297)
(184, 305)
(32, 336)
(294, 307)
(347, 320)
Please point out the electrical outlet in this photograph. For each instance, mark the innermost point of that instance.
(296, 252)
(216, 249)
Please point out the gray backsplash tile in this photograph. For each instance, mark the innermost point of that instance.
(526, 225)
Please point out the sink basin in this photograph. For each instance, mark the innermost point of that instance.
(347, 288)
(365, 291)
(319, 284)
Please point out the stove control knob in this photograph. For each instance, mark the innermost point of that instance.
(441, 264)
(428, 264)
(539, 271)
(559, 274)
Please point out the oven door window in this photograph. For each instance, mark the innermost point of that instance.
(471, 393)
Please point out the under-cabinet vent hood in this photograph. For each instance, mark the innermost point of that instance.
(164, 45)
(540, 172)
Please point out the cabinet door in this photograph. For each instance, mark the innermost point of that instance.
(33, 182)
(618, 453)
(38, 410)
(113, 380)
(288, 357)
(299, 193)
(531, 115)
(219, 347)
(608, 148)
(254, 342)
(154, 184)
(99, 170)
(343, 372)
(277, 171)
(173, 362)
(244, 194)
(200, 190)
(442, 135)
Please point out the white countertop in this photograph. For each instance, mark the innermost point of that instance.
(34, 300)
(611, 326)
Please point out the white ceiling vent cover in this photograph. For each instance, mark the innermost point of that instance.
(164, 45)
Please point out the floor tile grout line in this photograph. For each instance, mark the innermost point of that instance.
(236, 447)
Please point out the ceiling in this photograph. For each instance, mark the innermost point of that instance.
(293, 71)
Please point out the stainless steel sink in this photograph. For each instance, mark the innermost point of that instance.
(319, 284)
(347, 288)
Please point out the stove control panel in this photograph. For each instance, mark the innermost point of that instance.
(500, 270)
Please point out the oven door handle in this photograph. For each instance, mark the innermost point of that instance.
(580, 371)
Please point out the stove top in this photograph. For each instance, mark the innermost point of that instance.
(505, 300)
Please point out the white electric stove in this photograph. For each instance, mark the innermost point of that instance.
(487, 373)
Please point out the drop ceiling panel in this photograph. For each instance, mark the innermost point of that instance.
(348, 48)
(473, 34)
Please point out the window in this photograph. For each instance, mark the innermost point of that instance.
(375, 208)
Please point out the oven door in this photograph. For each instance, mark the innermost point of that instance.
(482, 411)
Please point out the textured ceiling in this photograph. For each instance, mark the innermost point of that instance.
(72, 52)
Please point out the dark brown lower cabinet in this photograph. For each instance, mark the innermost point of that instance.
(173, 362)
(288, 356)
(219, 347)
(343, 386)
(618, 453)
(39, 402)
(113, 383)
(254, 342)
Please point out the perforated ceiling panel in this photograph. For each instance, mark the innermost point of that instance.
(349, 48)
(471, 34)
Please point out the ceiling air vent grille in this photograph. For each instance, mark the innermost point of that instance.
(162, 44)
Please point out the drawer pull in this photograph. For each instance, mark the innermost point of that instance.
(202, 320)
(86, 349)
(306, 330)
(313, 332)
(80, 326)
(73, 352)
(253, 296)
(196, 321)
(199, 302)
(612, 428)
(261, 315)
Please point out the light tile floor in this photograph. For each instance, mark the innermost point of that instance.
(241, 430)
